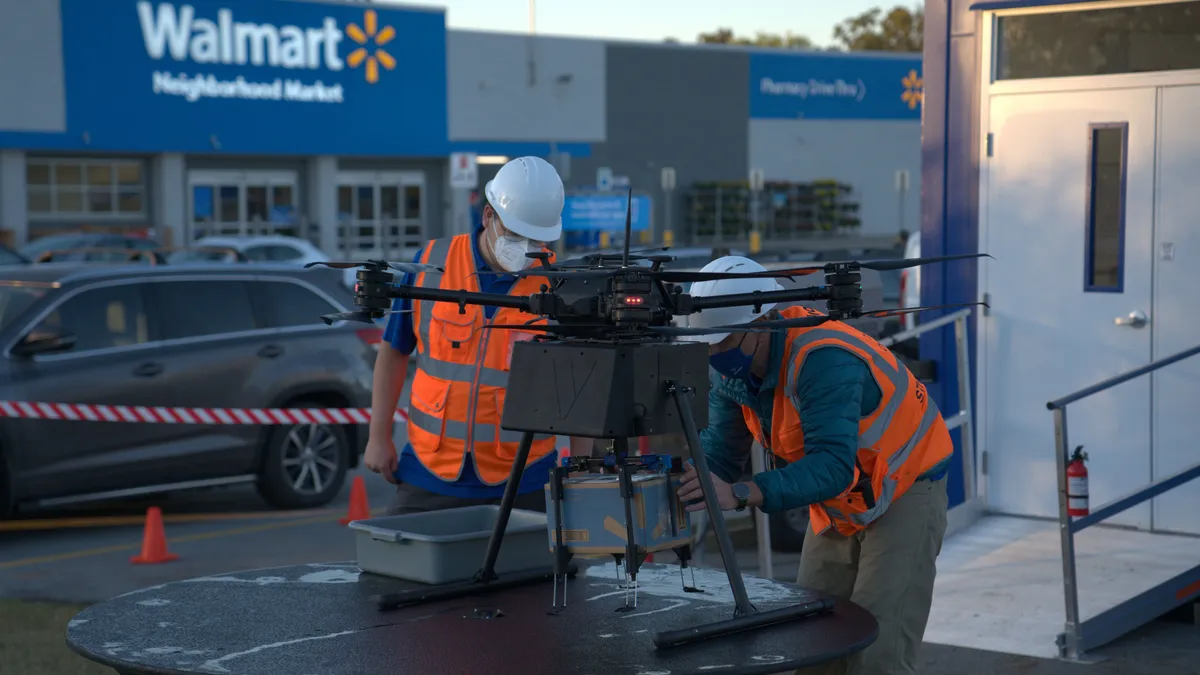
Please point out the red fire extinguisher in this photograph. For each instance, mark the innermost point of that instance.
(1077, 484)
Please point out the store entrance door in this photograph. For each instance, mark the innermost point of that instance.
(381, 213)
(242, 203)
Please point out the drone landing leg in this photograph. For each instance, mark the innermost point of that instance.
(732, 569)
(632, 560)
(685, 555)
(562, 556)
(488, 572)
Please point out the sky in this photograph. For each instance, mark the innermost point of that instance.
(655, 20)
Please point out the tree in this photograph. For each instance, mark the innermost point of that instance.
(725, 36)
(900, 30)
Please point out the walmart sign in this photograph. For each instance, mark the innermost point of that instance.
(256, 76)
(805, 85)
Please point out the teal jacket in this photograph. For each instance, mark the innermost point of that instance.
(834, 391)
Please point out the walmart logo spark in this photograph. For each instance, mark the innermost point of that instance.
(367, 36)
(914, 90)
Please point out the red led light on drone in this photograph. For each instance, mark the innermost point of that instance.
(634, 300)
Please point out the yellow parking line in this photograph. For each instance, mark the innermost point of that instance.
(114, 521)
(24, 562)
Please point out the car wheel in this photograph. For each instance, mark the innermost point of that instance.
(304, 465)
(787, 530)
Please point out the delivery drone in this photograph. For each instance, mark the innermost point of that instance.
(605, 364)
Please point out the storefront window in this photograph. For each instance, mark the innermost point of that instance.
(1140, 39)
(69, 188)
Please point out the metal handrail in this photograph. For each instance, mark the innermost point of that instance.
(925, 327)
(1074, 641)
(1124, 377)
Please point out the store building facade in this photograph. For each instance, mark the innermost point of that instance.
(335, 121)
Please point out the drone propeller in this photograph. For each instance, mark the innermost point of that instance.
(361, 316)
(407, 268)
(788, 273)
(798, 322)
(877, 265)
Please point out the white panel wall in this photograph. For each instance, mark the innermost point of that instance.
(504, 87)
(864, 154)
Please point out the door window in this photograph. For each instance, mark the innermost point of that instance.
(1105, 239)
(101, 318)
(287, 304)
(201, 308)
(272, 253)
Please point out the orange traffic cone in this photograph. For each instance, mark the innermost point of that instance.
(359, 509)
(154, 541)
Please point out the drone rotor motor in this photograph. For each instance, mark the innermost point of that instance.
(373, 291)
(844, 281)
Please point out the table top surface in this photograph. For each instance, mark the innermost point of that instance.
(321, 619)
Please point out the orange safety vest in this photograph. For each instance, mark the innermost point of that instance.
(902, 439)
(462, 374)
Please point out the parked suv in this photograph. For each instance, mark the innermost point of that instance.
(202, 336)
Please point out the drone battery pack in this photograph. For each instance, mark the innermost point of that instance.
(594, 514)
(604, 390)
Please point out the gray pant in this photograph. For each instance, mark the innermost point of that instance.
(888, 569)
(412, 499)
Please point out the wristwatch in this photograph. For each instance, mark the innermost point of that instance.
(742, 492)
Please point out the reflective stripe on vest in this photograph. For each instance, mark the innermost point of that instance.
(928, 442)
(461, 381)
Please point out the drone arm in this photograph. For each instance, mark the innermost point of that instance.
(461, 298)
(689, 304)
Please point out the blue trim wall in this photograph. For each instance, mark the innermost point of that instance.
(949, 193)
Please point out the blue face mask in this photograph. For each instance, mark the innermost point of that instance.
(733, 362)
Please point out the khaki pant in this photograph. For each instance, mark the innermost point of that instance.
(888, 569)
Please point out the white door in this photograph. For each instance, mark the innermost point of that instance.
(381, 213)
(241, 203)
(1069, 220)
(1176, 326)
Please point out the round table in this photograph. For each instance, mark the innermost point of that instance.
(322, 619)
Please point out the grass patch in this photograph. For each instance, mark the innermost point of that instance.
(33, 640)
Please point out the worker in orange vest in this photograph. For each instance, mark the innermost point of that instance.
(866, 449)
(457, 454)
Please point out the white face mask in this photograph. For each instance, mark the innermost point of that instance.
(511, 254)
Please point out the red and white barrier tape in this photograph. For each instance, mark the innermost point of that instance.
(85, 412)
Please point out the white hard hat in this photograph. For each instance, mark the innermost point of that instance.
(728, 316)
(527, 194)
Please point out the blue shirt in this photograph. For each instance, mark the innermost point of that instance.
(403, 338)
(834, 390)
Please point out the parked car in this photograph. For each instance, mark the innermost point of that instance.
(275, 248)
(202, 336)
(10, 256)
(78, 240)
(106, 255)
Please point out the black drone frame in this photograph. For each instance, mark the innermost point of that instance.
(607, 369)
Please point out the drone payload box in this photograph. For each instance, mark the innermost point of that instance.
(604, 390)
(594, 514)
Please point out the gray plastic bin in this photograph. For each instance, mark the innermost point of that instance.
(441, 547)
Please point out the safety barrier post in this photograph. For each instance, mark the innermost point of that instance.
(762, 521)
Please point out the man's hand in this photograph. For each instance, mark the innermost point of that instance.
(381, 458)
(691, 490)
